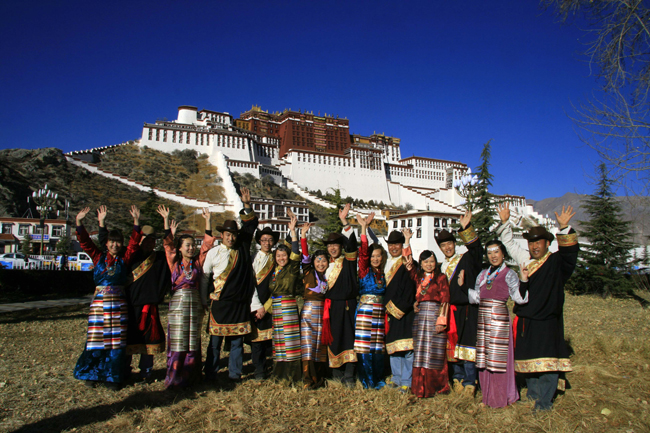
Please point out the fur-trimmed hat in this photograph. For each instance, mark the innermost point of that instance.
(537, 233)
(395, 237)
(445, 236)
(335, 238)
(229, 226)
(267, 231)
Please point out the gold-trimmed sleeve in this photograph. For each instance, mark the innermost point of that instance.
(394, 311)
(567, 240)
(352, 255)
(468, 235)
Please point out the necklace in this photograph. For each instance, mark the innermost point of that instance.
(424, 289)
(491, 277)
(276, 272)
(187, 272)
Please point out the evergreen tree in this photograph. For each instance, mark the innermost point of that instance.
(333, 223)
(604, 260)
(645, 256)
(484, 207)
(149, 215)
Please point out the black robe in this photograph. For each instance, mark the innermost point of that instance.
(399, 299)
(230, 315)
(343, 297)
(539, 343)
(263, 329)
(466, 314)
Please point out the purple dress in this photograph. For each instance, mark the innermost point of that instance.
(494, 344)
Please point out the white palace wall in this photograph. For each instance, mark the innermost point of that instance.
(339, 173)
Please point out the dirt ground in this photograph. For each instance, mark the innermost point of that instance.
(38, 350)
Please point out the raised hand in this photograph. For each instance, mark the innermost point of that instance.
(290, 213)
(292, 227)
(343, 213)
(163, 211)
(205, 213)
(135, 213)
(173, 226)
(408, 234)
(466, 219)
(461, 277)
(82, 214)
(523, 272)
(565, 216)
(369, 219)
(304, 229)
(504, 212)
(245, 196)
(101, 215)
(409, 263)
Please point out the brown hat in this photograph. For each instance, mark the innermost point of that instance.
(335, 238)
(538, 232)
(148, 231)
(267, 231)
(229, 226)
(445, 236)
(396, 237)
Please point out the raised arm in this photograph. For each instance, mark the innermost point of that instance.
(567, 240)
(248, 218)
(102, 237)
(474, 294)
(208, 239)
(504, 231)
(85, 242)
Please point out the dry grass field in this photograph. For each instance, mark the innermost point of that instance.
(38, 350)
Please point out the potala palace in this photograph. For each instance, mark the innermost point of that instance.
(307, 152)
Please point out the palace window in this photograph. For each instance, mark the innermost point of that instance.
(403, 223)
(436, 222)
(419, 222)
(410, 222)
(418, 233)
(444, 222)
(395, 224)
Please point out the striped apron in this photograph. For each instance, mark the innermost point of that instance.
(108, 319)
(185, 318)
(286, 329)
(370, 323)
(311, 329)
(429, 347)
(493, 335)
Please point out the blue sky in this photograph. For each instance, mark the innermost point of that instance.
(445, 77)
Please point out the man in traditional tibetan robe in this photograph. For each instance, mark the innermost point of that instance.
(262, 329)
(341, 302)
(399, 300)
(229, 301)
(465, 315)
(541, 354)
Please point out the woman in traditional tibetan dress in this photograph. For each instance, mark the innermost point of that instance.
(314, 352)
(185, 314)
(430, 376)
(494, 349)
(284, 286)
(104, 358)
(369, 343)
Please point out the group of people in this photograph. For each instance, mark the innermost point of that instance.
(366, 309)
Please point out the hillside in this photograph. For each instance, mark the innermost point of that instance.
(23, 171)
(183, 172)
(635, 208)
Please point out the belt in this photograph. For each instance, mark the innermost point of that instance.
(371, 299)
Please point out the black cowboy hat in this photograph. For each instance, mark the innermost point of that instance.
(395, 237)
(537, 233)
(335, 238)
(229, 226)
(445, 236)
(267, 231)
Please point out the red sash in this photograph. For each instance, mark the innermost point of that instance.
(514, 331)
(326, 337)
(149, 312)
(452, 334)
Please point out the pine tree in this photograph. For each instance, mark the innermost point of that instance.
(333, 223)
(485, 214)
(606, 257)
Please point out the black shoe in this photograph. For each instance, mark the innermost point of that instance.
(90, 383)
